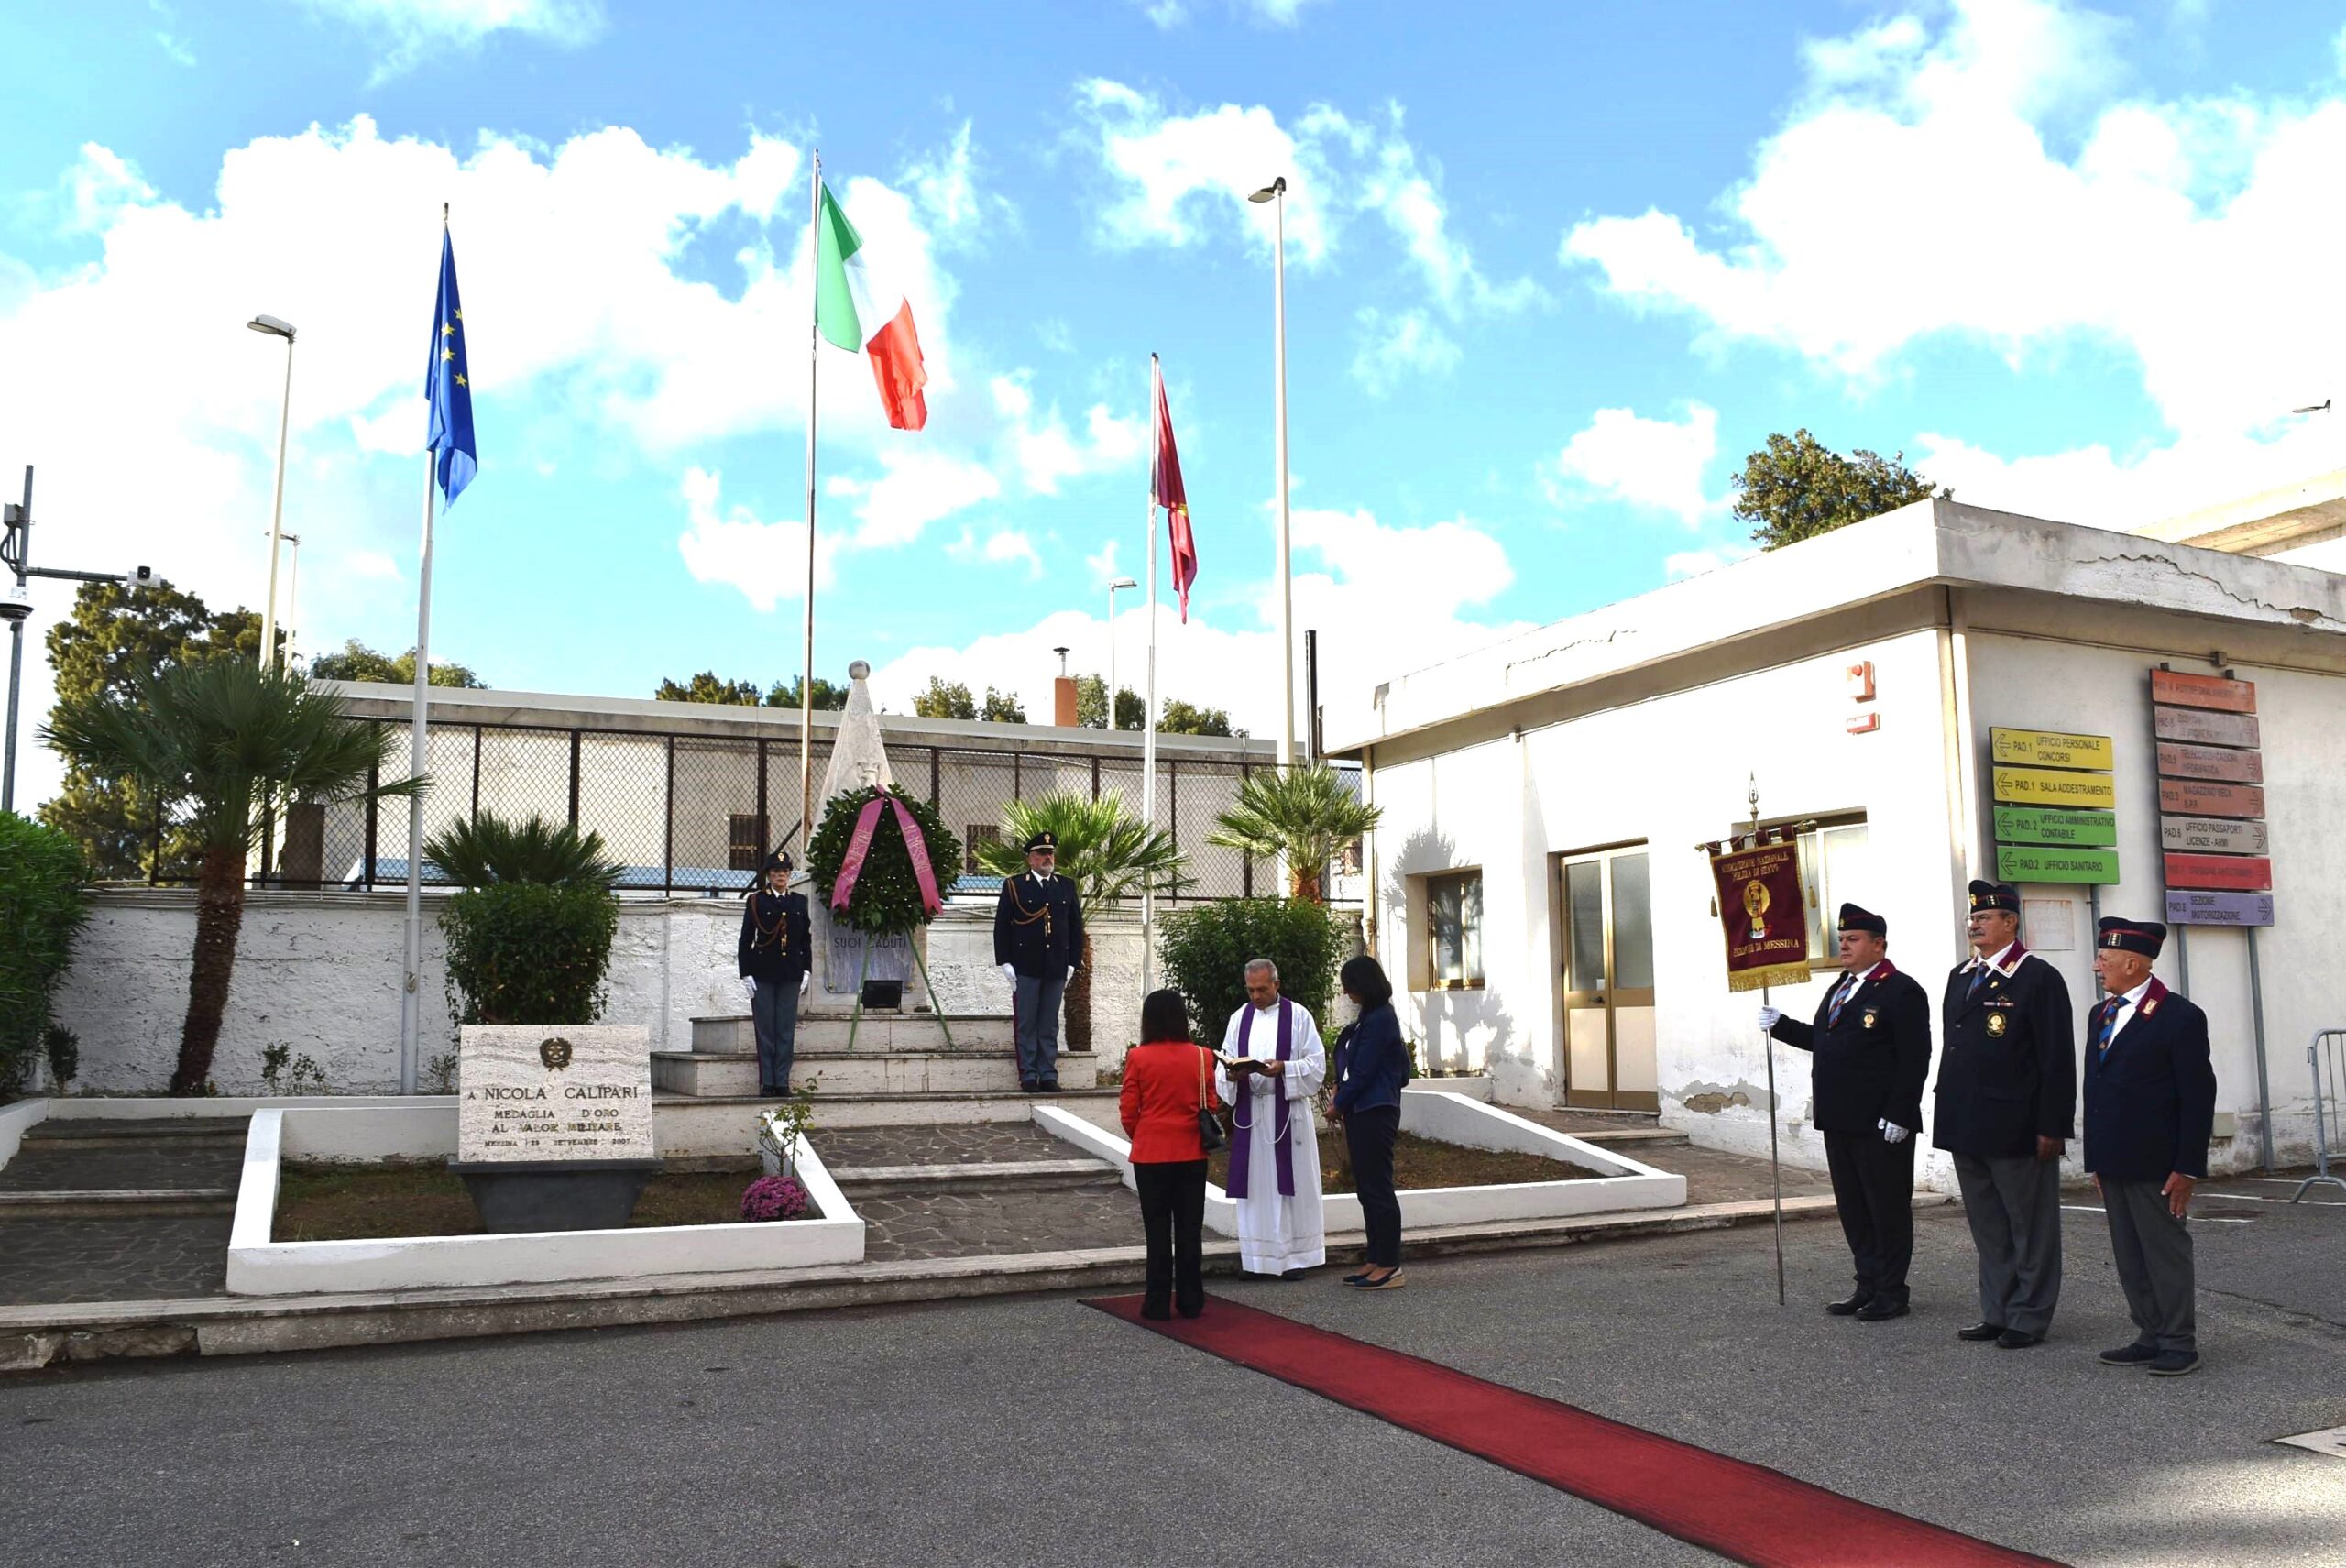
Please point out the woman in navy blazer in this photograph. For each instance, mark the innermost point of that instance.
(1166, 1079)
(1371, 1064)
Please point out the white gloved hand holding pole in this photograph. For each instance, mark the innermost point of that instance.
(749, 986)
(1768, 1018)
(1892, 1134)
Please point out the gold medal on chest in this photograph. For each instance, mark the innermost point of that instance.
(1995, 1026)
(1867, 1021)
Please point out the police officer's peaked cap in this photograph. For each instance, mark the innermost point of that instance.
(1986, 896)
(778, 860)
(1856, 919)
(1043, 841)
(2143, 937)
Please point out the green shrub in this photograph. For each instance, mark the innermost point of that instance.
(41, 880)
(524, 953)
(1204, 952)
(483, 850)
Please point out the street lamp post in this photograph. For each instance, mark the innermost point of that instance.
(1112, 587)
(272, 327)
(1276, 193)
(292, 595)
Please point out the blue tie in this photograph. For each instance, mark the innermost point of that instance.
(1840, 999)
(1978, 978)
(2108, 1024)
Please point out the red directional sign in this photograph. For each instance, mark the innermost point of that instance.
(2180, 762)
(2224, 873)
(2184, 798)
(2203, 691)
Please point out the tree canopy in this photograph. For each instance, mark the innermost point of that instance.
(1795, 488)
(710, 687)
(942, 698)
(1091, 705)
(357, 661)
(1179, 717)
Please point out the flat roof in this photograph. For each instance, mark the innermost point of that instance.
(1933, 542)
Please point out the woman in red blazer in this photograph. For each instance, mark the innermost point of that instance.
(1166, 1079)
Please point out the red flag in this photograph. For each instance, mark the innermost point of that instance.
(1165, 480)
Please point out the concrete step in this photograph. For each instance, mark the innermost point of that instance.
(117, 1204)
(821, 1029)
(705, 1073)
(138, 1133)
(978, 1175)
(899, 1110)
(1634, 1138)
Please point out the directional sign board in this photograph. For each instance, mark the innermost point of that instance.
(2048, 787)
(2043, 825)
(2180, 690)
(2222, 873)
(2049, 749)
(2185, 907)
(2189, 799)
(2177, 760)
(2203, 727)
(2030, 863)
(2211, 835)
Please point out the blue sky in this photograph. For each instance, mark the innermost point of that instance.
(1553, 272)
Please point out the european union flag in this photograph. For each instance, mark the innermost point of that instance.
(449, 386)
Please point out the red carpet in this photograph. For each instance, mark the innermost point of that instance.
(1746, 1513)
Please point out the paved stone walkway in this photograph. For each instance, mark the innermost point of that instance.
(92, 1165)
(167, 1257)
(849, 1149)
(991, 1219)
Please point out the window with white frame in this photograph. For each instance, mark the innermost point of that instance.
(1836, 867)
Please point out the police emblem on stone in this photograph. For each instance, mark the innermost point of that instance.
(554, 1053)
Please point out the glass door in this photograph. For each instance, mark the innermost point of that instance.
(1608, 981)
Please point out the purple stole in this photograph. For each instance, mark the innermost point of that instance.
(1242, 1150)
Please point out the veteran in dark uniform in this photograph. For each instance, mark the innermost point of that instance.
(776, 958)
(1038, 939)
(2150, 1107)
(1872, 1044)
(2007, 1094)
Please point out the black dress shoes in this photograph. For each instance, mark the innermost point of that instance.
(1050, 1086)
(2017, 1339)
(1849, 1307)
(1980, 1334)
(1876, 1311)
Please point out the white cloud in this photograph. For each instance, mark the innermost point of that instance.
(767, 561)
(409, 30)
(2104, 489)
(1002, 547)
(1385, 599)
(1393, 347)
(1916, 193)
(1044, 451)
(1653, 463)
(1170, 14)
(955, 207)
(917, 487)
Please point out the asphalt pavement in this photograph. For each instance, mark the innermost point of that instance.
(1034, 1431)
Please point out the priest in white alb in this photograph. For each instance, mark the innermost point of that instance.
(1271, 1065)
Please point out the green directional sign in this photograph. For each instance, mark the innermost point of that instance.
(2028, 863)
(2048, 824)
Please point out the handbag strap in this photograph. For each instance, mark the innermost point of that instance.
(1201, 1077)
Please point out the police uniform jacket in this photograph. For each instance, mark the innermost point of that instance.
(775, 946)
(1871, 1064)
(2150, 1101)
(1039, 925)
(2008, 1066)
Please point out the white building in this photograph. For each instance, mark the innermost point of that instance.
(1536, 888)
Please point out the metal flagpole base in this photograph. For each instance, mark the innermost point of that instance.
(1775, 1167)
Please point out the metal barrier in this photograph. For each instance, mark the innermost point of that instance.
(2324, 1105)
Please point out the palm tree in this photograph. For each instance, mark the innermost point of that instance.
(1304, 814)
(484, 850)
(222, 738)
(1107, 854)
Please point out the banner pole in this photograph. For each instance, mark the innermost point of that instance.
(1148, 708)
(1768, 1048)
(814, 370)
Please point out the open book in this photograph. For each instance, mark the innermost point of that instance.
(1238, 1066)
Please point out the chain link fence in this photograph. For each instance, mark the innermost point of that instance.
(691, 813)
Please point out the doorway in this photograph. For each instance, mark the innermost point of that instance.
(1605, 900)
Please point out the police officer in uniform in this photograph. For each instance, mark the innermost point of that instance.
(776, 958)
(2150, 1107)
(1872, 1044)
(2007, 1095)
(1037, 937)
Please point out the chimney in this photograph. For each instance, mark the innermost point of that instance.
(1063, 695)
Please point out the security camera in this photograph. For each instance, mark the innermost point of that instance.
(138, 577)
(15, 604)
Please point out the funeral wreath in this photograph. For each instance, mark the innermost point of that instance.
(885, 895)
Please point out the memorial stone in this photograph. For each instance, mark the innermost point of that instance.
(528, 1092)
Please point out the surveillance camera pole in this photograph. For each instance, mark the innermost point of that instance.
(15, 548)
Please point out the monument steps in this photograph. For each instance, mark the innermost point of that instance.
(835, 1111)
(878, 1032)
(702, 1074)
(977, 1177)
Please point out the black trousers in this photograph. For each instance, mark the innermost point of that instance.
(1873, 1188)
(1173, 1217)
(1369, 1140)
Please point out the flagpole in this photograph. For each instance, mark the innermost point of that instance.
(1768, 1049)
(814, 362)
(1148, 734)
(411, 992)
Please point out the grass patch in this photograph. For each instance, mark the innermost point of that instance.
(343, 1202)
(1421, 1162)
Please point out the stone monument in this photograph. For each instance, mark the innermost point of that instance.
(859, 759)
(554, 1124)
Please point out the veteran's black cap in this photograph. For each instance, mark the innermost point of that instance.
(1044, 840)
(1987, 895)
(1856, 919)
(2143, 937)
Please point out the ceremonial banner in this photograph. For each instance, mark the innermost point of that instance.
(1763, 913)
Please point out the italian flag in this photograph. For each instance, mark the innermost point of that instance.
(856, 306)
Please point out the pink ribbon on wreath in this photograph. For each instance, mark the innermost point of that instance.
(859, 846)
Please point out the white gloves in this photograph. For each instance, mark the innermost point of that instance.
(1071, 972)
(1770, 1017)
(749, 986)
(805, 982)
(1010, 973)
(1892, 1134)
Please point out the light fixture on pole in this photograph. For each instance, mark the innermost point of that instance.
(1276, 193)
(1112, 587)
(272, 327)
